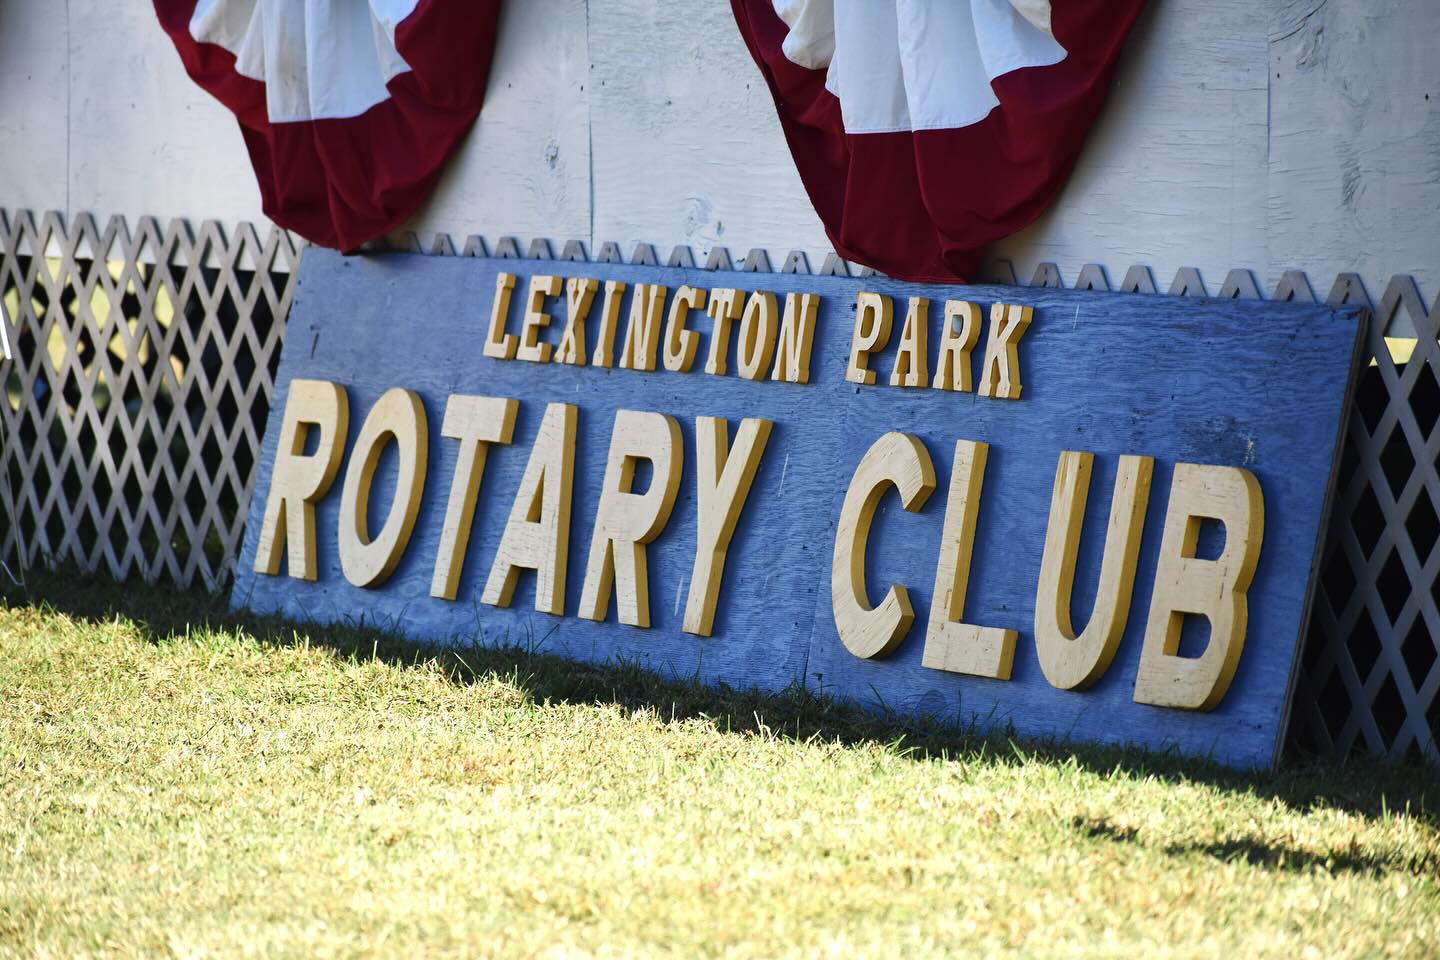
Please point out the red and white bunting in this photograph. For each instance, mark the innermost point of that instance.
(349, 109)
(924, 130)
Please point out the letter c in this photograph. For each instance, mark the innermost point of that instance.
(897, 459)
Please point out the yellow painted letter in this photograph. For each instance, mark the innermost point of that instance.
(962, 332)
(399, 416)
(626, 521)
(476, 422)
(681, 343)
(873, 318)
(609, 321)
(579, 297)
(797, 338)
(537, 535)
(498, 343)
(536, 319)
(297, 480)
(912, 359)
(1214, 589)
(723, 478)
(758, 328)
(1000, 371)
(899, 460)
(950, 644)
(724, 310)
(642, 333)
(1070, 662)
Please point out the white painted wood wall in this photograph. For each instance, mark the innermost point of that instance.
(1268, 134)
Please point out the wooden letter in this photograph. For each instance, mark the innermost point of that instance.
(873, 318)
(722, 480)
(1214, 589)
(962, 331)
(579, 296)
(399, 416)
(642, 333)
(912, 359)
(899, 460)
(1000, 370)
(536, 319)
(797, 338)
(950, 644)
(476, 422)
(626, 521)
(681, 344)
(758, 328)
(498, 343)
(297, 480)
(537, 535)
(1070, 662)
(609, 321)
(724, 310)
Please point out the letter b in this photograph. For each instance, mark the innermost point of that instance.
(1214, 589)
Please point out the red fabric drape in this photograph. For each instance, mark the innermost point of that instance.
(924, 205)
(342, 182)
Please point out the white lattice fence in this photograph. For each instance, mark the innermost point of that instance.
(142, 372)
(144, 364)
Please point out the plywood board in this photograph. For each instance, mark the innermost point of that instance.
(1240, 388)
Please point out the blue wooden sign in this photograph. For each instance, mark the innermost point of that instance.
(1078, 515)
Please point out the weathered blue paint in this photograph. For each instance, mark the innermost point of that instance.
(1259, 385)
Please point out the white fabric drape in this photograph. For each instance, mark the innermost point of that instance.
(318, 59)
(904, 65)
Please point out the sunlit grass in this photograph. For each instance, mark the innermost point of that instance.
(174, 781)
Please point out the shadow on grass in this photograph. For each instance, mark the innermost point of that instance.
(1268, 855)
(1359, 785)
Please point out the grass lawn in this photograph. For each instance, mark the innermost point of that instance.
(177, 781)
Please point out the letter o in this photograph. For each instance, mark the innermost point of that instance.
(758, 327)
(399, 416)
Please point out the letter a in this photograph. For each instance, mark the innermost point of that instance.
(537, 536)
